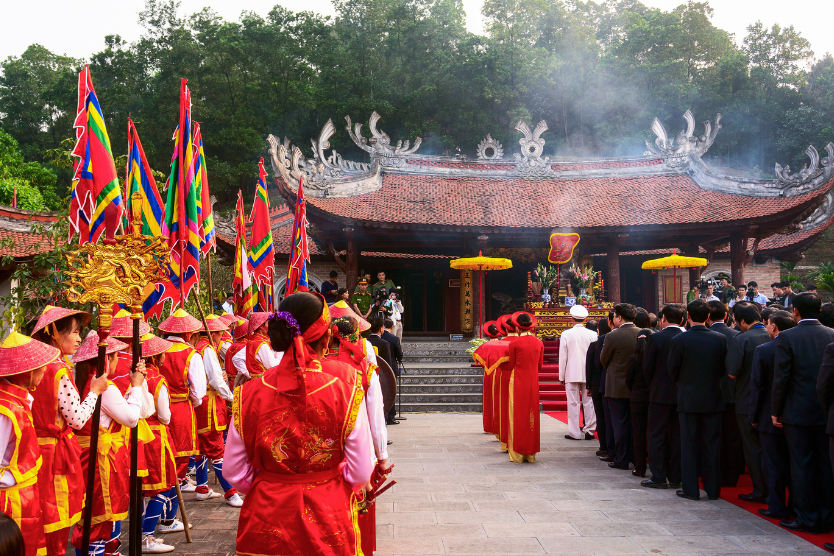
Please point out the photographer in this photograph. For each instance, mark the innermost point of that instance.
(754, 295)
(380, 307)
(707, 286)
(395, 307)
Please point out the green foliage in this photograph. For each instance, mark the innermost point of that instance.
(597, 72)
(35, 184)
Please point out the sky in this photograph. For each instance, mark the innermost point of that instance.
(64, 28)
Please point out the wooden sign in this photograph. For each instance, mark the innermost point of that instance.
(467, 305)
(561, 247)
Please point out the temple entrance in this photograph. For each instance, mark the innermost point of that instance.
(505, 291)
(423, 299)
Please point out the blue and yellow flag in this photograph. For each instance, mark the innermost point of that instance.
(207, 237)
(139, 178)
(261, 253)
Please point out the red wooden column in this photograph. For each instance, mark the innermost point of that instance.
(612, 258)
(738, 250)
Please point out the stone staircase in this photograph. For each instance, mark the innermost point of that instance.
(551, 393)
(439, 377)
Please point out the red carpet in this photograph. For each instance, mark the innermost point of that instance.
(730, 494)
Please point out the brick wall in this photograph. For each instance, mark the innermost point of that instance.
(317, 272)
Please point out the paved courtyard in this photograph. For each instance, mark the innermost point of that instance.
(458, 494)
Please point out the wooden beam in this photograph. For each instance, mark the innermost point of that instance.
(336, 256)
(352, 259)
(612, 258)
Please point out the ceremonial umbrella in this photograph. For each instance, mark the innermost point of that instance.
(674, 261)
(481, 263)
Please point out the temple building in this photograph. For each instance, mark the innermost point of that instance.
(408, 214)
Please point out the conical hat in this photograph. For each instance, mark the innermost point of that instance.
(228, 319)
(122, 326)
(154, 345)
(215, 324)
(51, 314)
(341, 309)
(256, 320)
(241, 330)
(21, 354)
(180, 323)
(89, 347)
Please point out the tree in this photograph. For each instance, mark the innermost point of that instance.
(35, 185)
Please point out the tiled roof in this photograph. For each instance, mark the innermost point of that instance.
(23, 244)
(780, 241)
(562, 203)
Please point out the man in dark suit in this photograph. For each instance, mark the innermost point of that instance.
(618, 347)
(383, 349)
(592, 381)
(797, 408)
(604, 330)
(731, 453)
(396, 347)
(664, 435)
(740, 367)
(697, 364)
(825, 391)
(775, 453)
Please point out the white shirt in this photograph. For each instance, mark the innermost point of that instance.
(376, 413)
(710, 298)
(196, 376)
(214, 373)
(7, 441)
(229, 307)
(266, 356)
(760, 298)
(126, 410)
(573, 351)
(163, 406)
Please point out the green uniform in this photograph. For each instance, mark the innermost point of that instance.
(363, 301)
(388, 285)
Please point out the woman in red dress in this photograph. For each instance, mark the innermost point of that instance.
(300, 442)
(57, 411)
(526, 356)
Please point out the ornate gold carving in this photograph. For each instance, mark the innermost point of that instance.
(117, 271)
(467, 305)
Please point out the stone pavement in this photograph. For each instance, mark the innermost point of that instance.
(458, 494)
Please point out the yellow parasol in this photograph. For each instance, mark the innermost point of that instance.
(674, 261)
(481, 263)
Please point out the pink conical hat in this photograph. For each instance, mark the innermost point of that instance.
(89, 347)
(122, 326)
(51, 314)
(180, 323)
(21, 354)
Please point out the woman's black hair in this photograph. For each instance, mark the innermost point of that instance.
(346, 326)
(642, 319)
(11, 539)
(603, 327)
(340, 292)
(525, 320)
(82, 373)
(63, 326)
(493, 330)
(306, 308)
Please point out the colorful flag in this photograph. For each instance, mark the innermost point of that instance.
(245, 290)
(96, 204)
(139, 178)
(261, 257)
(299, 251)
(207, 237)
(265, 299)
(181, 224)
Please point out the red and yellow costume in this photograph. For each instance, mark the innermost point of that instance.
(162, 470)
(211, 415)
(256, 340)
(183, 427)
(490, 355)
(21, 501)
(526, 356)
(231, 370)
(60, 481)
(121, 378)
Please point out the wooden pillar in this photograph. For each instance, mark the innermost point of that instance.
(479, 283)
(694, 273)
(351, 260)
(738, 250)
(612, 258)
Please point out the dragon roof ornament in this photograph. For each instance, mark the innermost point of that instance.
(677, 152)
(530, 161)
(810, 173)
(379, 145)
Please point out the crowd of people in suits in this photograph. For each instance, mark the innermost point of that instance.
(705, 392)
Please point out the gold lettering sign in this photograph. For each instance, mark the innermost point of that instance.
(466, 322)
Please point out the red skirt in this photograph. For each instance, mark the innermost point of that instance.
(112, 480)
(60, 482)
(183, 429)
(162, 471)
(22, 504)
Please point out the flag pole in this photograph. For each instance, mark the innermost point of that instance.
(210, 289)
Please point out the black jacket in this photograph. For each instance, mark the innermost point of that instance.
(799, 352)
(697, 364)
(825, 386)
(661, 386)
(761, 382)
(740, 362)
(383, 348)
(728, 386)
(598, 363)
(634, 373)
(591, 371)
(396, 348)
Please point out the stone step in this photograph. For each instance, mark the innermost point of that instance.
(436, 352)
(408, 358)
(457, 346)
(440, 398)
(441, 379)
(441, 389)
(441, 408)
(442, 370)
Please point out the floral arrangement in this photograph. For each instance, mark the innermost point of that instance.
(548, 276)
(581, 279)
